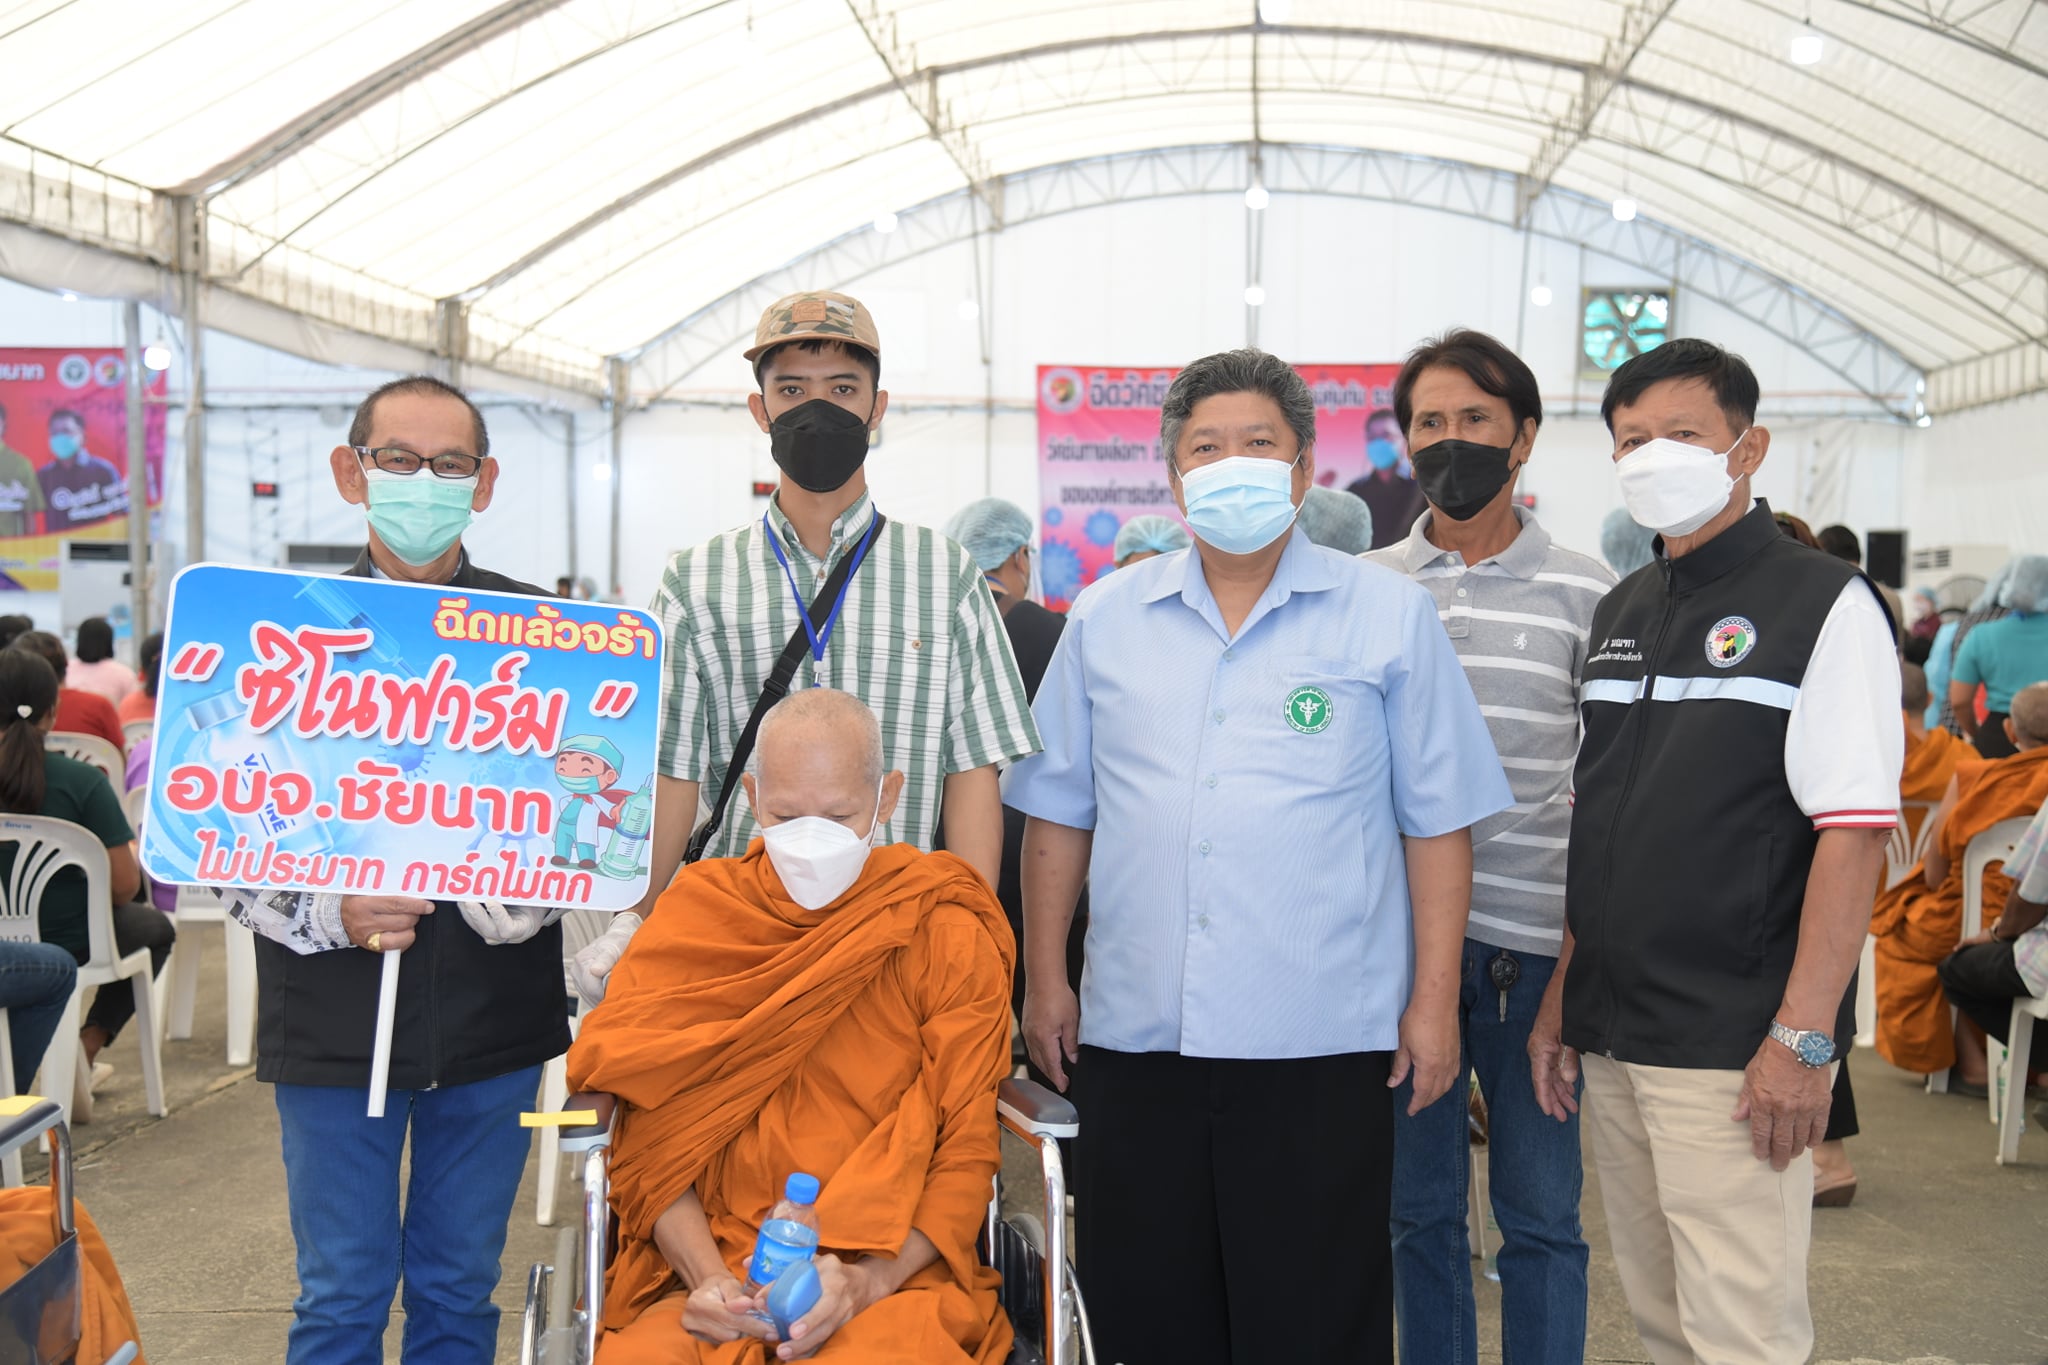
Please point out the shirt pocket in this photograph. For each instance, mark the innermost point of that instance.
(1324, 717)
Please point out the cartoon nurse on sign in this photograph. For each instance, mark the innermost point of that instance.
(587, 768)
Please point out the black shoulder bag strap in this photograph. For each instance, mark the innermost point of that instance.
(776, 688)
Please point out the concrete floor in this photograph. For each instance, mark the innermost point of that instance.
(1939, 1260)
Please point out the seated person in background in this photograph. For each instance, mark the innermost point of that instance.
(2009, 958)
(2003, 655)
(1919, 921)
(1336, 521)
(35, 781)
(1146, 536)
(1931, 755)
(35, 981)
(141, 703)
(96, 669)
(78, 713)
(821, 1006)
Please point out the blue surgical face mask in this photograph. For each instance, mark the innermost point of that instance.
(1241, 504)
(419, 516)
(1383, 453)
(582, 786)
(64, 445)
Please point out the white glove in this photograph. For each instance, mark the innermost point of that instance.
(592, 968)
(497, 922)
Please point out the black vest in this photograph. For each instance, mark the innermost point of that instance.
(467, 1010)
(1689, 856)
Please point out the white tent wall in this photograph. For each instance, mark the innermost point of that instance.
(1160, 282)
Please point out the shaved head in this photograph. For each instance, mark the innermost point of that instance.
(1913, 693)
(820, 753)
(2030, 716)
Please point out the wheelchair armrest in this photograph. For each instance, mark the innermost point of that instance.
(25, 1118)
(1028, 1109)
(584, 1137)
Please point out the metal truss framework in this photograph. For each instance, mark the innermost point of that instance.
(1590, 110)
(1868, 364)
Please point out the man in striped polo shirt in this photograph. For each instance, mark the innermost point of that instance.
(916, 635)
(1517, 609)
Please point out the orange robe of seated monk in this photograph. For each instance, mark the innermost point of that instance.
(106, 1320)
(1916, 927)
(1924, 779)
(750, 1038)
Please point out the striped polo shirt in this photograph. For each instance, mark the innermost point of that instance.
(919, 640)
(1519, 623)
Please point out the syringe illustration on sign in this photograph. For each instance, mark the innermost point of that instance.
(378, 738)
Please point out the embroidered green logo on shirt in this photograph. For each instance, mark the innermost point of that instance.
(1308, 710)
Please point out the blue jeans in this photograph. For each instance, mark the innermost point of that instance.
(1535, 1172)
(35, 981)
(341, 1172)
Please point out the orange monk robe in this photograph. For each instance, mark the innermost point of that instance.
(749, 1038)
(106, 1320)
(1930, 763)
(1916, 927)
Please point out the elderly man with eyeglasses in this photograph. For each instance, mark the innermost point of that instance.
(477, 1016)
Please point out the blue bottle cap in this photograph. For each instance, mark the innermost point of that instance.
(801, 1189)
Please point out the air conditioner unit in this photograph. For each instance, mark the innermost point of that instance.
(1956, 572)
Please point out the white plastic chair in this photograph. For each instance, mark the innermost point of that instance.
(2009, 1080)
(1994, 845)
(1904, 850)
(89, 749)
(42, 847)
(134, 732)
(10, 1164)
(178, 1001)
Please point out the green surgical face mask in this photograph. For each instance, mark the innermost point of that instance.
(419, 516)
(580, 785)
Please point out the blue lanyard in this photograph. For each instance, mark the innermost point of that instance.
(818, 636)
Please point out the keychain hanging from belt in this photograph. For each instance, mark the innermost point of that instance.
(815, 624)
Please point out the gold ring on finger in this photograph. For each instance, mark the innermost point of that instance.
(373, 940)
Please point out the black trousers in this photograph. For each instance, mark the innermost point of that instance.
(136, 925)
(1235, 1212)
(1991, 741)
(1981, 981)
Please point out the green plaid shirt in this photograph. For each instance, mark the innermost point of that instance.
(919, 640)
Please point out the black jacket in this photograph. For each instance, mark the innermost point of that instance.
(1689, 856)
(467, 1010)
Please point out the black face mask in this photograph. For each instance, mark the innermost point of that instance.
(819, 444)
(1460, 477)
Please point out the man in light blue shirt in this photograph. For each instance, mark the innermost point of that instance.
(1265, 760)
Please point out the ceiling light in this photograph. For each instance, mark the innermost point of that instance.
(1255, 295)
(969, 310)
(1540, 296)
(602, 473)
(68, 296)
(885, 222)
(1275, 11)
(156, 356)
(1256, 197)
(1624, 210)
(1923, 420)
(1807, 48)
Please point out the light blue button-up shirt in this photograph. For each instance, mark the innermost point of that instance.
(1248, 896)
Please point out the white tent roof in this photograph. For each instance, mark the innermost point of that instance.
(538, 185)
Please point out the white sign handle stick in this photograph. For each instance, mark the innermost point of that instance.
(380, 1053)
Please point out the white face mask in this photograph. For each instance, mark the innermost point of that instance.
(1674, 488)
(818, 859)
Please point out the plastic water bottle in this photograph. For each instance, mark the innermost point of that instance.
(789, 1235)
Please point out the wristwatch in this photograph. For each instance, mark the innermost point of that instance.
(1813, 1048)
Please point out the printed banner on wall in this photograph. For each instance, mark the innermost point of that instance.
(376, 738)
(1099, 461)
(64, 456)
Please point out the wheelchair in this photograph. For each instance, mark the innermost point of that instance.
(40, 1313)
(565, 1300)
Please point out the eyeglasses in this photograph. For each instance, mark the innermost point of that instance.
(449, 464)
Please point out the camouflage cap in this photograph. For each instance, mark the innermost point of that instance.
(815, 315)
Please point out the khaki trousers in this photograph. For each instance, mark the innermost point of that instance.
(1710, 1242)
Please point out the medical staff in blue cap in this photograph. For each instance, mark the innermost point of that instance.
(587, 768)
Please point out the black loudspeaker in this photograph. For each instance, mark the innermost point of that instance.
(1884, 557)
